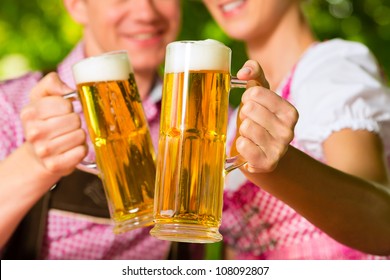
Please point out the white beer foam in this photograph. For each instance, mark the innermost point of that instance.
(197, 55)
(112, 66)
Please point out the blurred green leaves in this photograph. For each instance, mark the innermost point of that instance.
(34, 35)
(366, 21)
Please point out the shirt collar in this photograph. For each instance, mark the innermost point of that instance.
(64, 69)
(152, 103)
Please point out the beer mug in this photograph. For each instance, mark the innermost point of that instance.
(191, 157)
(119, 132)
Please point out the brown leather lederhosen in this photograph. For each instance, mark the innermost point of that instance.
(79, 192)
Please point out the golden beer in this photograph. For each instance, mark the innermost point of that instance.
(192, 142)
(191, 162)
(124, 151)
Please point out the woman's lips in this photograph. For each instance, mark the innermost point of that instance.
(232, 7)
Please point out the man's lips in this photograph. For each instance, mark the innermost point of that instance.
(144, 39)
(144, 36)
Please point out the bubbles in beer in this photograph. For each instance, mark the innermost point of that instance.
(120, 133)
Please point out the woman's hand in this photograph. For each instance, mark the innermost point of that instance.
(266, 122)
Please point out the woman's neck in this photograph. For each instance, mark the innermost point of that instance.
(278, 51)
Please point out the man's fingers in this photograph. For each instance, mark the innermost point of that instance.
(51, 84)
(66, 162)
(45, 108)
(61, 144)
(51, 128)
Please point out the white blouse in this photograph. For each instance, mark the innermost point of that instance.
(337, 84)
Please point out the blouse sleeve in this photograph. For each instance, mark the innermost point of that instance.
(338, 85)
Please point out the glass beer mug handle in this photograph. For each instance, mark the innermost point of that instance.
(237, 83)
(85, 166)
(236, 161)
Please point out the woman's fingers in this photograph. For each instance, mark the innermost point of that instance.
(280, 107)
(253, 73)
(261, 150)
(266, 127)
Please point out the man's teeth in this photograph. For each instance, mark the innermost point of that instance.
(143, 36)
(231, 6)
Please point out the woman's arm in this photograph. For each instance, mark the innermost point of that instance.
(349, 201)
(352, 210)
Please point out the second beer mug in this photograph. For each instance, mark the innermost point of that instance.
(191, 158)
(120, 135)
